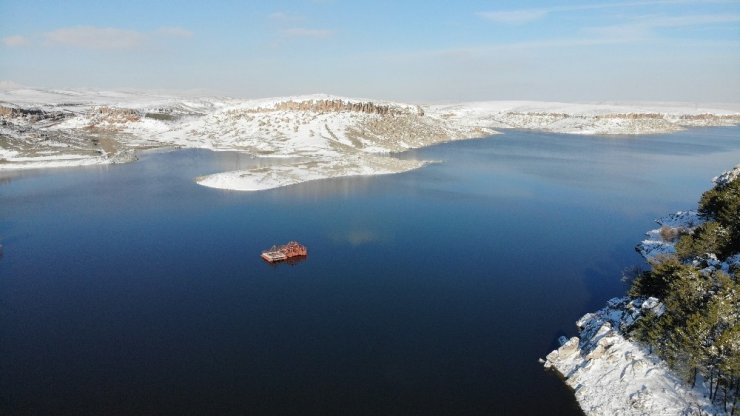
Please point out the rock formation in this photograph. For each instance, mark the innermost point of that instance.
(336, 106)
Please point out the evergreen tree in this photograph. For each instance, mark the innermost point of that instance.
(698, 331)
(710, 237)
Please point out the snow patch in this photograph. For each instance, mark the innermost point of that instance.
(662, 241)
(612, 375)
(329, 130)
(262, 178)
(727, 177)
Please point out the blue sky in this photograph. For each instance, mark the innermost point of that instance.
(417, 51)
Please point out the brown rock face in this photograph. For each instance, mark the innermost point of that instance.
(632, 116)
(337, 106)
(711, 118)
(29, 114)
(116, 115)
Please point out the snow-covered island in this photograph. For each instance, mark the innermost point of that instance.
(319, 136)
(614, 374)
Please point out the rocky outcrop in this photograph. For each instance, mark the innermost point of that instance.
(612, 375)
(105, 114)
(30, 115)
(583, 119)
(609, 116)
(700, 120)
(727, 177)
(662, 241)
(630, 116)
(336, 106)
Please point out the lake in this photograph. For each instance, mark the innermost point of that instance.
(129, 289)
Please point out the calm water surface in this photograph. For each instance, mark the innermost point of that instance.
(131, 290)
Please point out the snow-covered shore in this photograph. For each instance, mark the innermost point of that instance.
(613, 375)
(333, 136)
(590, 118)
(661, 241)
(257, 179)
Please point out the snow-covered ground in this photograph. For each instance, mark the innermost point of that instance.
(262, 178)
(590, 118)
(613, 376)
(333, 136)
(662, 241)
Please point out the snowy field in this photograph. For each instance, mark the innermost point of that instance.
(332, 136)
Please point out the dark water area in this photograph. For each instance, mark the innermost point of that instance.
(131, 290)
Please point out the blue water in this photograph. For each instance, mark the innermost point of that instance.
(131, 290)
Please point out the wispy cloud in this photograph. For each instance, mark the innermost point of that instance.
(175, 32)
(288, 26)
(637, 30)
(301, 32)
(90, 37)
(520, 16)
(286, 17)
(98, 38)
(646, 26)
(691, 20)
(15, 41)
(514, 16)
(472, 52)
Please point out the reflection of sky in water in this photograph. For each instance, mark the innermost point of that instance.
(620, 168)
(422, 291)
(357, 237)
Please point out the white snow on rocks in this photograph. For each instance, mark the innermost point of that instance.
(727, 177)
(661, 241)
(262, 178)
(591, 118)
(614, 376)
(338, 135)
(332, 136)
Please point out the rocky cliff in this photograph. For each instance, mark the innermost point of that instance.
(339, 105)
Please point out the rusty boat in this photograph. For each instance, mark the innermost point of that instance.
(282, 253)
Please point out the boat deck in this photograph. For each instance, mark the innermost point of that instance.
(284, 252)
(273, 256)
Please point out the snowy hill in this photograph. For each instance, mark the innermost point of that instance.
(330, 136)
(601, 119)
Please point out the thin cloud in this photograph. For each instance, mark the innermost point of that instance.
(15, 41)
(638, 30)
(175, 32)
(300, 32)
(646, 26)
(692, 20)
(110, 38)
(520, 16)
(289, 26)
(285, 17)
(514, 16)
(90, 37)
(493, 49)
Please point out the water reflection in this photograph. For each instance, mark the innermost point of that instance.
(360, 236)
(430, 292)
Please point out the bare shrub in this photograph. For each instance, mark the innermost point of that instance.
(669, 234)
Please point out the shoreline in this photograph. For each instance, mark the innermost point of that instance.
(338, 136)
(279, 176)
(613, 374)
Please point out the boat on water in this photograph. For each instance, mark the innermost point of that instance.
(284, 252)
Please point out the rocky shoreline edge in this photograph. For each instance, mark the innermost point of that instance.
(612, 374)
